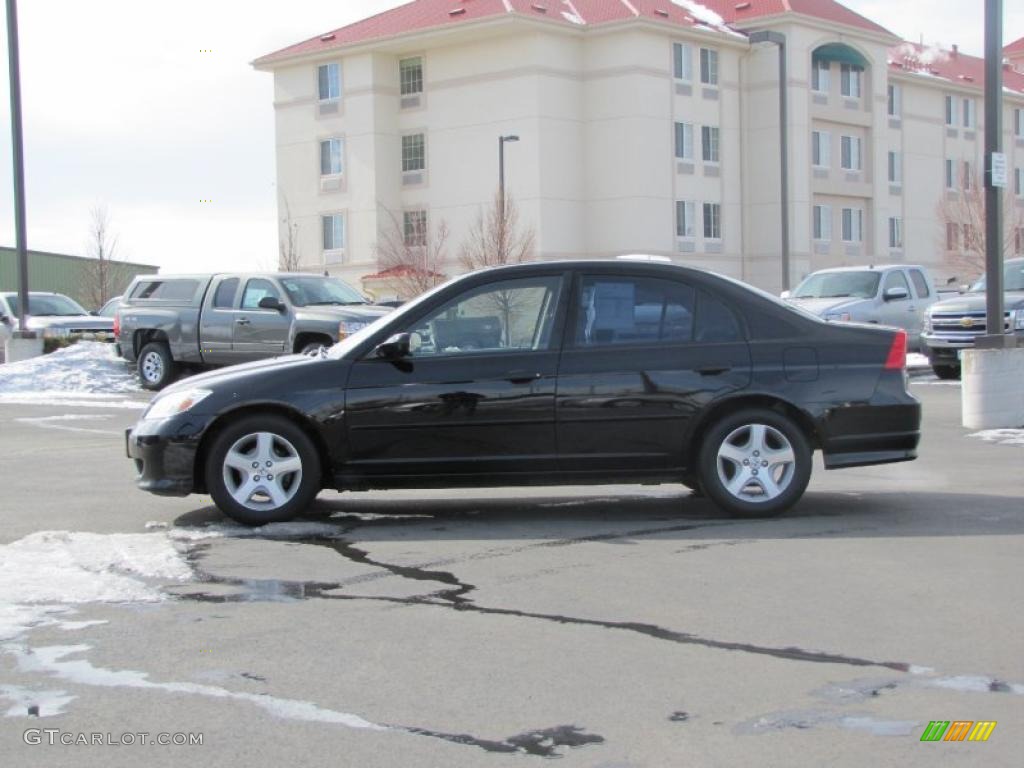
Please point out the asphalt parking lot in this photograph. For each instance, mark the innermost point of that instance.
(611, 627)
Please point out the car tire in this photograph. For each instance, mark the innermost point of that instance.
(947, 372)
(256, 495)
(736, 452)
(155, 366)
(313, 346)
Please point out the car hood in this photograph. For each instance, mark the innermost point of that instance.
(89, 322)
(365, 312)
(821, 307)
(236, 375)
(975, 302)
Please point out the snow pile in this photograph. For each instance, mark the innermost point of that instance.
(704, 15)
(1001, 436)
(916, 360)
(921, 56)
(85, 367)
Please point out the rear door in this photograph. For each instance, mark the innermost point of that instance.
(259, 333)
(643, 356)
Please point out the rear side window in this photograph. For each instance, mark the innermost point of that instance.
(224, 298)
(716, 323)
(920, 284)
(167, 290)
(633, 310)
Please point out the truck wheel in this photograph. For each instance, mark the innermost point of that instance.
(156, 367)
(263, 469)
(313, 346)
(755, 463)
(947, 372)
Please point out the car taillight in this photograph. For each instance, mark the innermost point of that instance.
(897, 359)
(117, 325)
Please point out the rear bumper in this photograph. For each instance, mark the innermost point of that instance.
(164, 454)
(884, 430)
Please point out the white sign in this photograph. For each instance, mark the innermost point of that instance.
(1000, 177)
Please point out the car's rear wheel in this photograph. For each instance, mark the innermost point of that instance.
(947, 372)
(156, 367)
(755, 463)
(263, 469)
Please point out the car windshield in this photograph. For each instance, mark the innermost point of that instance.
(320, 291)
(47, 305)
(1013, 277)
(835, 285)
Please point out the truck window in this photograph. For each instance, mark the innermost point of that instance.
(256, 289)
(920, 284)
(166, 290)
(896, 279)
(224, 298)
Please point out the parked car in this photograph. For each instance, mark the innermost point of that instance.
(545, 374)
(56, 315)
(896, 295)
(952, 326)
(166, 322)
(109, 309)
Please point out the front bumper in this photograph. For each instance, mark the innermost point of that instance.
(164, 452)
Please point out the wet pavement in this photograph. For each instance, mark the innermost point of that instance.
(622, 626)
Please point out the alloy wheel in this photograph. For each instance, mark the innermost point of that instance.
(262, 471)
(756, 463)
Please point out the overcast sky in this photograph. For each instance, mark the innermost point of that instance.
(123, 109)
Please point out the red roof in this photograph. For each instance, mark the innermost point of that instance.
(1016, 47)
(738, 11)
(435, 14)
(401, 271)
(953, 67)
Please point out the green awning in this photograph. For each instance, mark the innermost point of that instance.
(838, 52)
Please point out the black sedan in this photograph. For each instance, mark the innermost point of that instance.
(545, 374)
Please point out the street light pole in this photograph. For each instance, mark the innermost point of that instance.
(18, 147)
(501, 171)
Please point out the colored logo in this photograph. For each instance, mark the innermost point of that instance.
(958, 730)
(967, 322)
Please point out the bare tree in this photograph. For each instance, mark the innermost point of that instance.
(101, 276)
(413, 254)
(290, 260)
(963, 236)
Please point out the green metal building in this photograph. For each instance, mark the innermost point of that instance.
(73, 276)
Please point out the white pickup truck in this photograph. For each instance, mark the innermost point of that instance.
(896, 295)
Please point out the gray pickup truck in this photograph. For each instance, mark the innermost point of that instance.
(166, 322)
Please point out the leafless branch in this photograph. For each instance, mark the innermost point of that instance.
(415, 255)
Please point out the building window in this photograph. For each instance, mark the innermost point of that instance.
(950, 174)
(969, 113)
(823, 223)
(1018, 182)
(1018, 240)
(895, 232)
(850, 77)
(331, 157)
(967, 232)
(414, 225)
(684, 141)
(821, 149)
(685, 214)
(334, 231)
(952, 231)
(895, 101)
(951, 111)
(410, 76)
(821, 76)
(968, 178)
(709, 66)
(712, 221)
(414, 156)
(853, 225)
(329, 81)
(682, 61)
(1018, 123)
(895, 168)
(709, 144)
(851, 155)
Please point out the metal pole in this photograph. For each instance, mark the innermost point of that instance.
(993, 194)
(17, 143)
(784, 140)
(501, 175)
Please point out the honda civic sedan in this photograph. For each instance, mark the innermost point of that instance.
(550, 373)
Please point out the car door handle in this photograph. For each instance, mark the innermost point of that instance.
(713, 371)
(243, 321)
(522, 377)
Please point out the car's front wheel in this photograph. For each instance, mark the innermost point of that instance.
(755, 463)
(263, 469)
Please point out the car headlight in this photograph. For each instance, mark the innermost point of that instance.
(927, 323)
(348, 327)
(838, 317)
(175, 403)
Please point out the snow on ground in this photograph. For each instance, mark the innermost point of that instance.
(85, 367)
(917, 360)
(1001, 436)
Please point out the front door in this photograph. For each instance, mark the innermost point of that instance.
(643, 356)
(259, 332)
(476, 396)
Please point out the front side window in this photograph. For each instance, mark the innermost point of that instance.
(333, 231)
(712, 221)
(684, 141)
(633, 310)
(895, 232)
(896, 280)
(684, 218)
(853, 225)
(414, 155)
(414, 228)
(682, 61)
(821, 76)
(709, 143)
(329, 81)
(257, 289)
(708, 66)
(224, 298)
(823, 223)
(850, 80)
(510, 316)
(410, 76)
(331, 157)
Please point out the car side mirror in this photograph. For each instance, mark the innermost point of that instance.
(271, 302)
(94, 313)
(895, 294)
(785, 295)
(395, 348)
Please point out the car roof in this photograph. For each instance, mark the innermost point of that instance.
(868, 268)
(235, 273)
